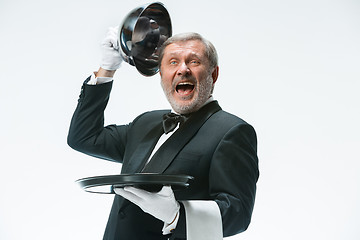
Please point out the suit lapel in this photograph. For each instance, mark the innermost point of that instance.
(143, 150)
(168, 151)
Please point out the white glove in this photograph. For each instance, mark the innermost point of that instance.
(110, 56)
(161, 205)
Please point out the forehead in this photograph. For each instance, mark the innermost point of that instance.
(184, 48)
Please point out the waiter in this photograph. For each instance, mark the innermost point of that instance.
(196, 137)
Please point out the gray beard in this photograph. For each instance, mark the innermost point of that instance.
(204, 93)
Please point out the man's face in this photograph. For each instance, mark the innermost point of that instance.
(186, 77)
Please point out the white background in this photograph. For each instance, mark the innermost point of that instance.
(290, 68)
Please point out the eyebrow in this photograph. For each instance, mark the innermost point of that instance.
(174, 54)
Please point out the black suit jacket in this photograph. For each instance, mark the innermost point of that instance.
(217, 148)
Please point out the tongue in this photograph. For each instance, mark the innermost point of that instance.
(184, 89)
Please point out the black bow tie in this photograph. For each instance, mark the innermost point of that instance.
(171, 120)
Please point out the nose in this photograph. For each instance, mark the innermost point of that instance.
(183, 69)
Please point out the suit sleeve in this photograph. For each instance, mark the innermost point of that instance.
(233, 176)
(87, 133)
(232, 181)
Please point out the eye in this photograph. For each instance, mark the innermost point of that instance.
(173, 62)
(195, 62)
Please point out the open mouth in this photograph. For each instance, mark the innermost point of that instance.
(185, 88)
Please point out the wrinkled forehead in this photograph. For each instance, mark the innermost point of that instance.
(189, 47)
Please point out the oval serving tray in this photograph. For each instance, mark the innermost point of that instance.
(152, 182)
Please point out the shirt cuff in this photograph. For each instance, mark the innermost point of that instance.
(98, 80)
(168, 228)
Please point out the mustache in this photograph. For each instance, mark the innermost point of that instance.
(180, 79)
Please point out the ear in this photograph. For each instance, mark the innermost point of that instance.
(215, 74)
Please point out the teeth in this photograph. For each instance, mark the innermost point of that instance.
(185, 83)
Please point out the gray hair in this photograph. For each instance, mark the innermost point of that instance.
(210, 51)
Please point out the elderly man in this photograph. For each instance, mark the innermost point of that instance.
(215, 147)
